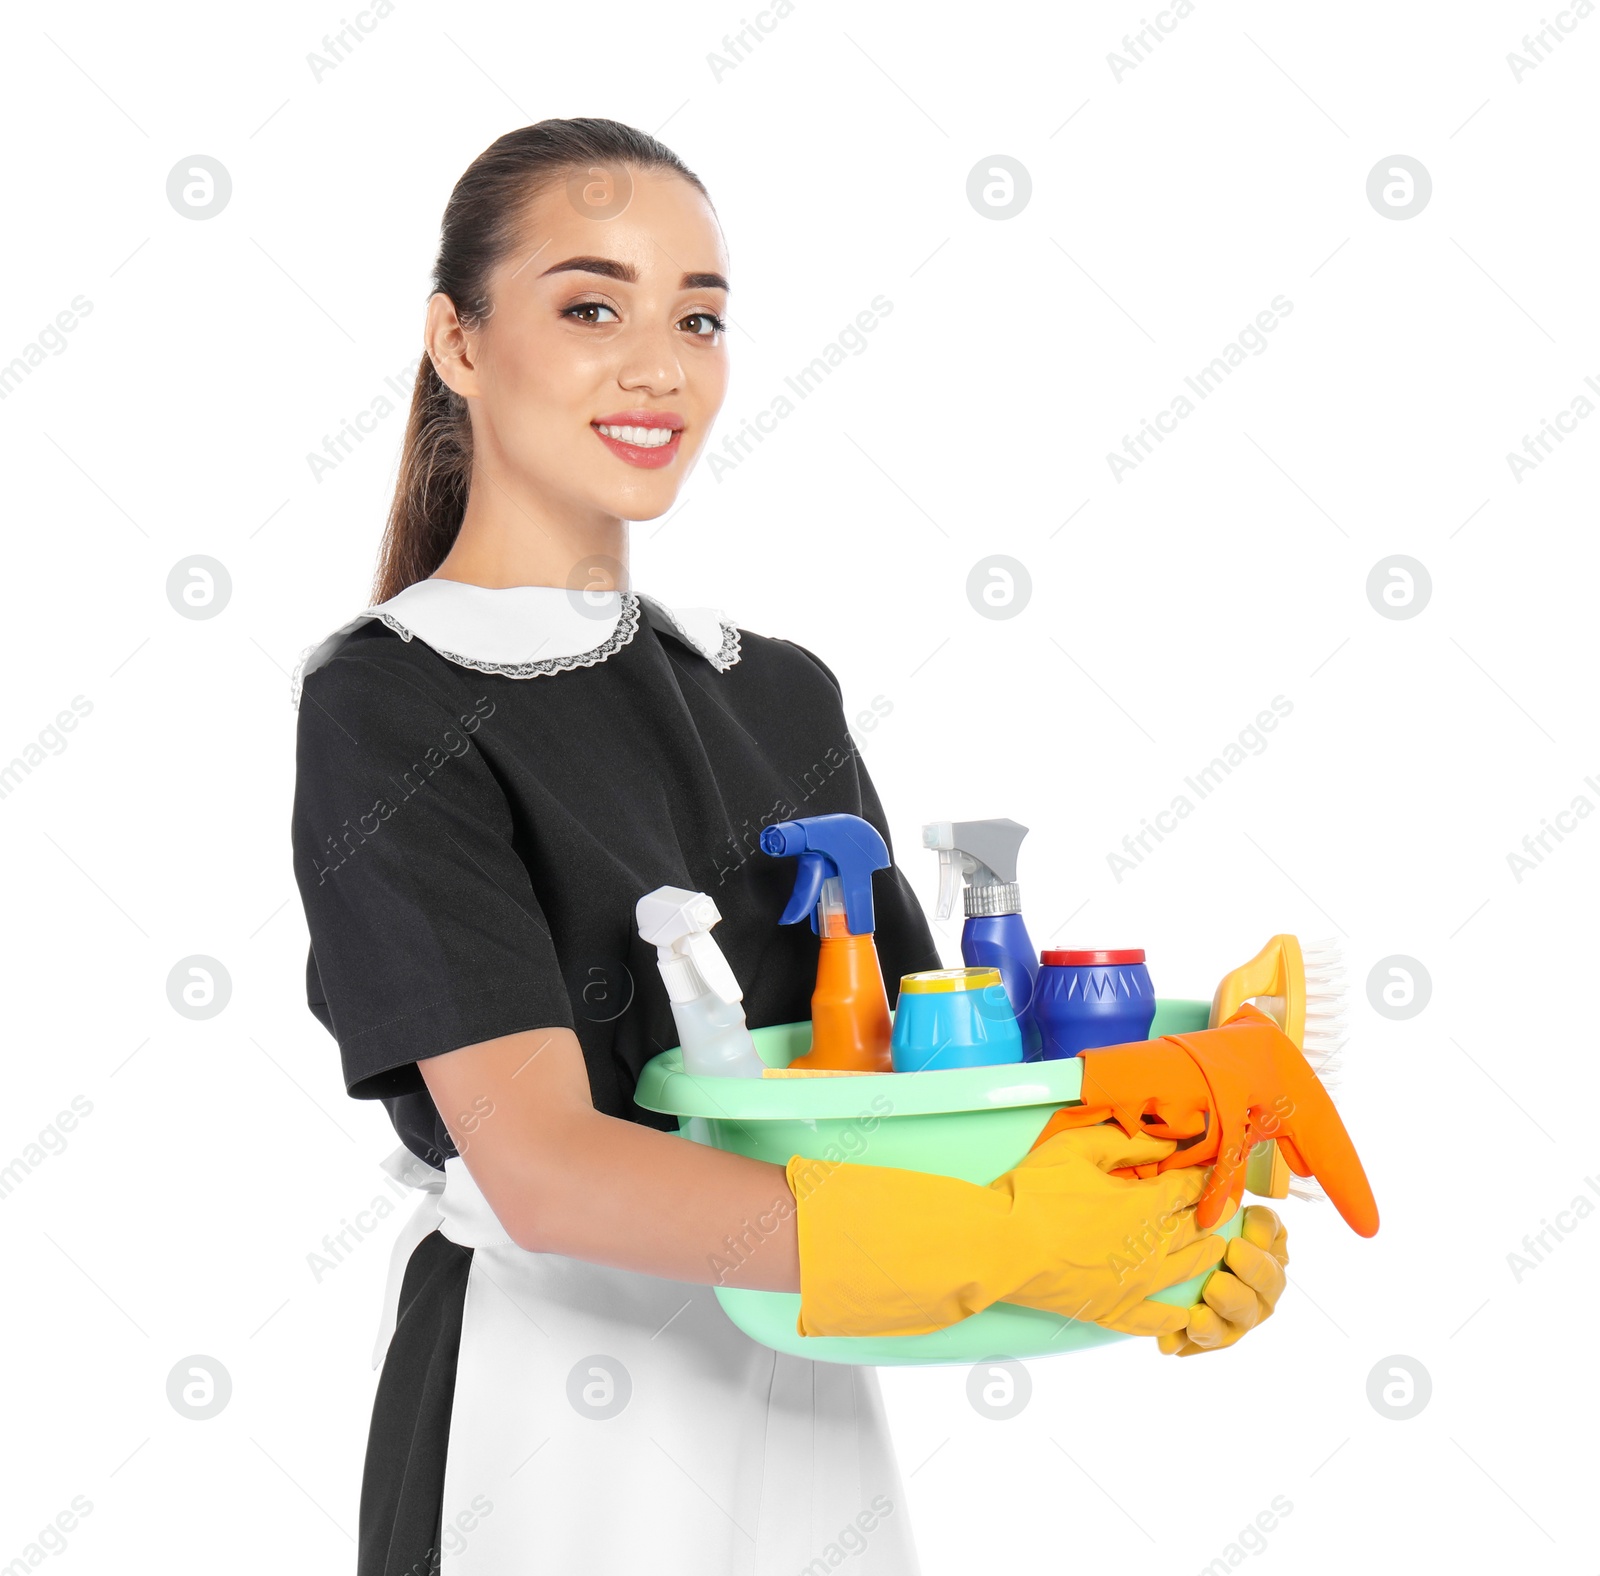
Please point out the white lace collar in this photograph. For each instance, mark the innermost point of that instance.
(526, 632)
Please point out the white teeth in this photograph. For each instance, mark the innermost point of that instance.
(640, 437)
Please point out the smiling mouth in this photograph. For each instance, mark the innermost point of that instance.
(646, 446)
(637, 437)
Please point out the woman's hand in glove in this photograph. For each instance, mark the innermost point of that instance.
(885, 1251)
(1126, 1238)
(1242, 1293)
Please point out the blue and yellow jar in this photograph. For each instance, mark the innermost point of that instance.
(953, 1018)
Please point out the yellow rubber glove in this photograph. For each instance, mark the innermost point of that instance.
(892, 1252)
(1244, 1291)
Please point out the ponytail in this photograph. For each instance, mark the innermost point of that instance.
(430, 495)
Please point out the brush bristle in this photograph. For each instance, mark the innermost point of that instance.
(1326, 999)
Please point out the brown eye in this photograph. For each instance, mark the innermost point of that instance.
(576, 312)
(717, 326)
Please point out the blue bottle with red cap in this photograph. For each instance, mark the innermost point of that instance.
(1085, 999)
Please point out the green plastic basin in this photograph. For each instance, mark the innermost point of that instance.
(972, 1122)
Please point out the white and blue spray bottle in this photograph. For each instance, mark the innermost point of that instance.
(703, 989)
(994, 935)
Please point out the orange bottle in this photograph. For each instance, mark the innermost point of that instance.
(849, 1008)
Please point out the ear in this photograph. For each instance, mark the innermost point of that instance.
(451, 349)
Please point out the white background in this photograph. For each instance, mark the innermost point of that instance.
(1166, 610)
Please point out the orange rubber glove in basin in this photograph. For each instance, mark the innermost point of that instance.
(885, 1251)
(1229, 1088)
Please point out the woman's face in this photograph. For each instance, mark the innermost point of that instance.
(605, 337)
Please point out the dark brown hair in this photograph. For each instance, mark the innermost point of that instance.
(481, 224)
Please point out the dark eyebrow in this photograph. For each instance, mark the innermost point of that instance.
(628, 274)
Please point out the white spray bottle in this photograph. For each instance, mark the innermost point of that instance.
(704, 991)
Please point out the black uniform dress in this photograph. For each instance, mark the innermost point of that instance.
(469, 847)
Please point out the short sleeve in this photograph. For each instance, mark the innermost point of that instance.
(426, 932)
(821, 666)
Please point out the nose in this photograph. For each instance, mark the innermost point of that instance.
(650, 362)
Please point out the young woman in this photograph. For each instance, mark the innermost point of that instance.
(495, 761)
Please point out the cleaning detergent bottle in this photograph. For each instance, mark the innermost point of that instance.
(994, 936)
(849, 1007)
(705, 993)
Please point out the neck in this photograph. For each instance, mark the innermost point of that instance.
(513, 536)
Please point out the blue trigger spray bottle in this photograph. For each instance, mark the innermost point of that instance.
(837, 854)
(994, 935)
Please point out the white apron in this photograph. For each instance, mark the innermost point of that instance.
(607, 1422)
